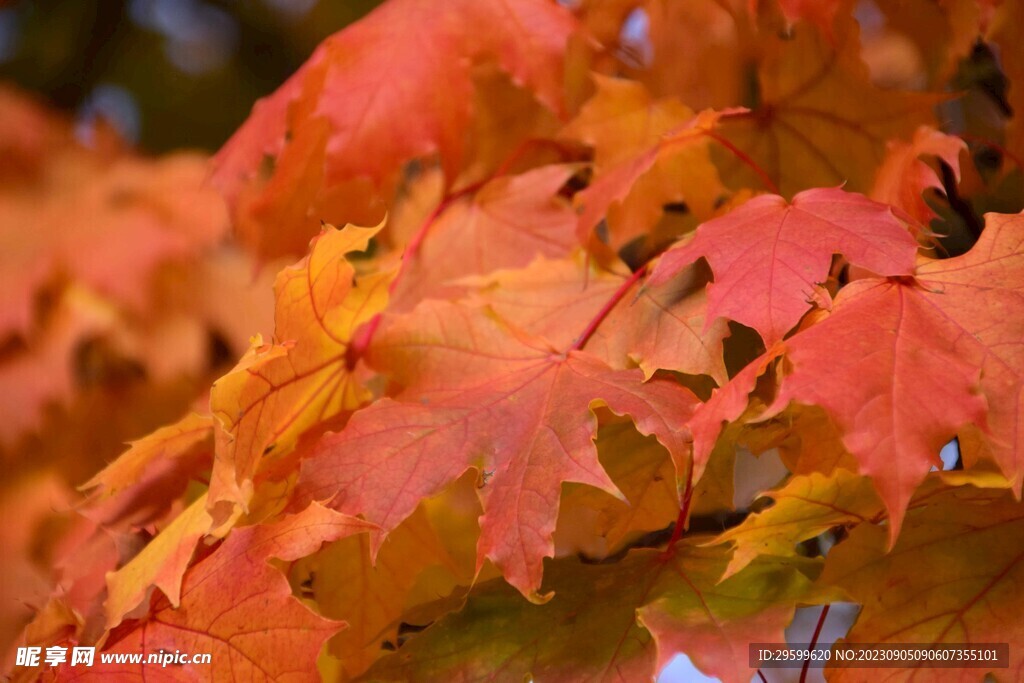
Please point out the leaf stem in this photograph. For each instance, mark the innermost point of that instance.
(361, 341)
(742, 156)
(615, 298)
(814, 641)
(364, 336)
(413, 247)
(684, 510)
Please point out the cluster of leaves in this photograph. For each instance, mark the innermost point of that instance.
(495, 436)
(121, 301)
(112, 267)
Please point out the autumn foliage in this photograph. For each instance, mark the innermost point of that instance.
(595, 253)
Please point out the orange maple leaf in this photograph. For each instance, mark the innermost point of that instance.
(478, 394)
(237, 607)
(771, 257)
(277, 391)
(337, 120)
(903, 177)
(819, 120)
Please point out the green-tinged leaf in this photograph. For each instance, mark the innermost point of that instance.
(954, 576)
(599, 625)
(804, 508)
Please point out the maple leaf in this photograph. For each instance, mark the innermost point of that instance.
(684, 39)
(162, 563)
(507, 223)
(666, 326)
(153, 471)
(598, 525)
(901, 353)
(725, 405)
(551, 298)
(352, 113)
(106, 224)
(805, 507)
(52, 625)
(714, 494)
(278, 199)
(630, 193)
(489, 384)
(590, 630)
(422, 559)
(758, 603)
(44, 373)
(464, 372)
(770, 257)
(277, 391)
(971, 547)
(820, 121)
(804, 436)
(509, 128)
(621, 120)
(31, 506)
(237, 607)
(660, 327)
(989, 336)
(92, 310)
(903, 177)
(937, 342)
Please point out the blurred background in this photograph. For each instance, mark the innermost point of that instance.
(166, 73)
(123, 294)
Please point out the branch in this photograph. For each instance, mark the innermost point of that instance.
(814, 641)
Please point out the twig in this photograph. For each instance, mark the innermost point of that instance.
(814, 642)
